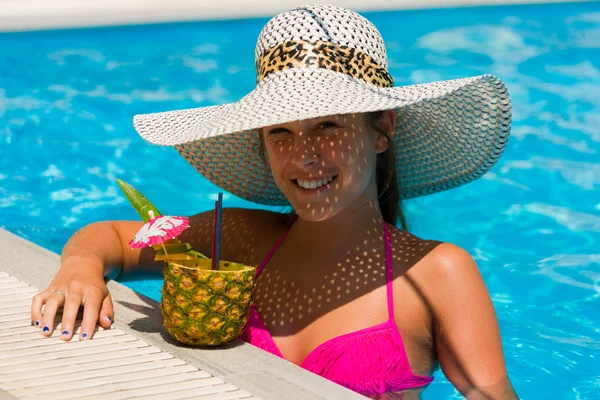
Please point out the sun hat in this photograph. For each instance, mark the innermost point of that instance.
(319, 60)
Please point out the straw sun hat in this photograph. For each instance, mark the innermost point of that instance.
(320, 60)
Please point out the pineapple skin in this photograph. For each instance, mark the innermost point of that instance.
(204, 307)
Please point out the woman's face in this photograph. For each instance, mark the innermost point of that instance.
(325, 165)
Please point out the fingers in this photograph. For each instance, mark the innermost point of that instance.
(53, 301)
(107, 313)
(71, 308)
(36, 308)
(92, 303)
(97, 308)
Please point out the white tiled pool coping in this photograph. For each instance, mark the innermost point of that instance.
(239, 371)
(21, 15)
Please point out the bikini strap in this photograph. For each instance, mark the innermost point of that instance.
(273, 250)
(389, 276)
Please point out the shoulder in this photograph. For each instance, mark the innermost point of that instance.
(263, 221)
(440, 268)
(242, 216)
(245, 235)
(429, 278)
(243, 222)
(450, 264)
(433, 256)
(408, 250)
(449, 279)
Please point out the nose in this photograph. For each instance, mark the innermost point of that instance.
(305, 151)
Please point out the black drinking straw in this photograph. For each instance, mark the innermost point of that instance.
(219, 211)
(214, 236)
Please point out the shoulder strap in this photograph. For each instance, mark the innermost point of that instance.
(389, 276)
(270, 254)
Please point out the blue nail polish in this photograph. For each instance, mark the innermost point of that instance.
(46, 329)
(84, 336)
(109, 319)
(37, 323)
(65, 333)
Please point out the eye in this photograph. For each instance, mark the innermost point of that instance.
(327, 124)
(276, 131)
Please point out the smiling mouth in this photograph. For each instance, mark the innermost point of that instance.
(311, 184)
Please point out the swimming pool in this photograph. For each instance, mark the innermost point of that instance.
(533, 224)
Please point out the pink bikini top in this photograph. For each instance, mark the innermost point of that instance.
(368, 361)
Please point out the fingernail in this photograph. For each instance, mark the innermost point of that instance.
(65, 333)
(37, 323)
(84, 336)
(46, 329)
(109, 319)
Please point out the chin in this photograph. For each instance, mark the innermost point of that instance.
(316, 213)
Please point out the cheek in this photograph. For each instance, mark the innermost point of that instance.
(349, 150)
(339, 147)
(277, 155)
(277, 152)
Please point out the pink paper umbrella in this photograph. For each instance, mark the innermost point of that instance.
(158, 230)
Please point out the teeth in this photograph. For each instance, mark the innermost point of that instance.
(313, 184)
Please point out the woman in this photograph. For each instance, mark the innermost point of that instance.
(342, 291)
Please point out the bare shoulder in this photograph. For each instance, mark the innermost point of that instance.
(451, 267)
(410, 252)
(270, 218)
(251, 220)
(245, 232)
(246, 217)
(435, 271)
(430, 258)
(449, 279)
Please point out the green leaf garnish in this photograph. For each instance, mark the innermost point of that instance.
(141, 204)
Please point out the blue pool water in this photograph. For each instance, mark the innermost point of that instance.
(67, 99)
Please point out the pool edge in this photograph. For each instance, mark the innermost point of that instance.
(17, 16)
(241, 364)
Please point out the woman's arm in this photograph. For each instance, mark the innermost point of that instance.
(467, 335)
(98, 250)
(89, 255)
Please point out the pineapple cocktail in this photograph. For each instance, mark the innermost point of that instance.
(200, 305)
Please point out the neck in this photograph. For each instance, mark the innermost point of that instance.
(338, 234)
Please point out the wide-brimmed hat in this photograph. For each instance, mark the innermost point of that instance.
(320, 60)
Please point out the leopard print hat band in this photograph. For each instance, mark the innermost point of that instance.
(319, 60)
(318, 54)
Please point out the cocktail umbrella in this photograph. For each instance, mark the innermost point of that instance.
(158, 230)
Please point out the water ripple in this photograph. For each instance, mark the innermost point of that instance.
(532, 223)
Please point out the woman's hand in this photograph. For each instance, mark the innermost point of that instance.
(79, 282)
